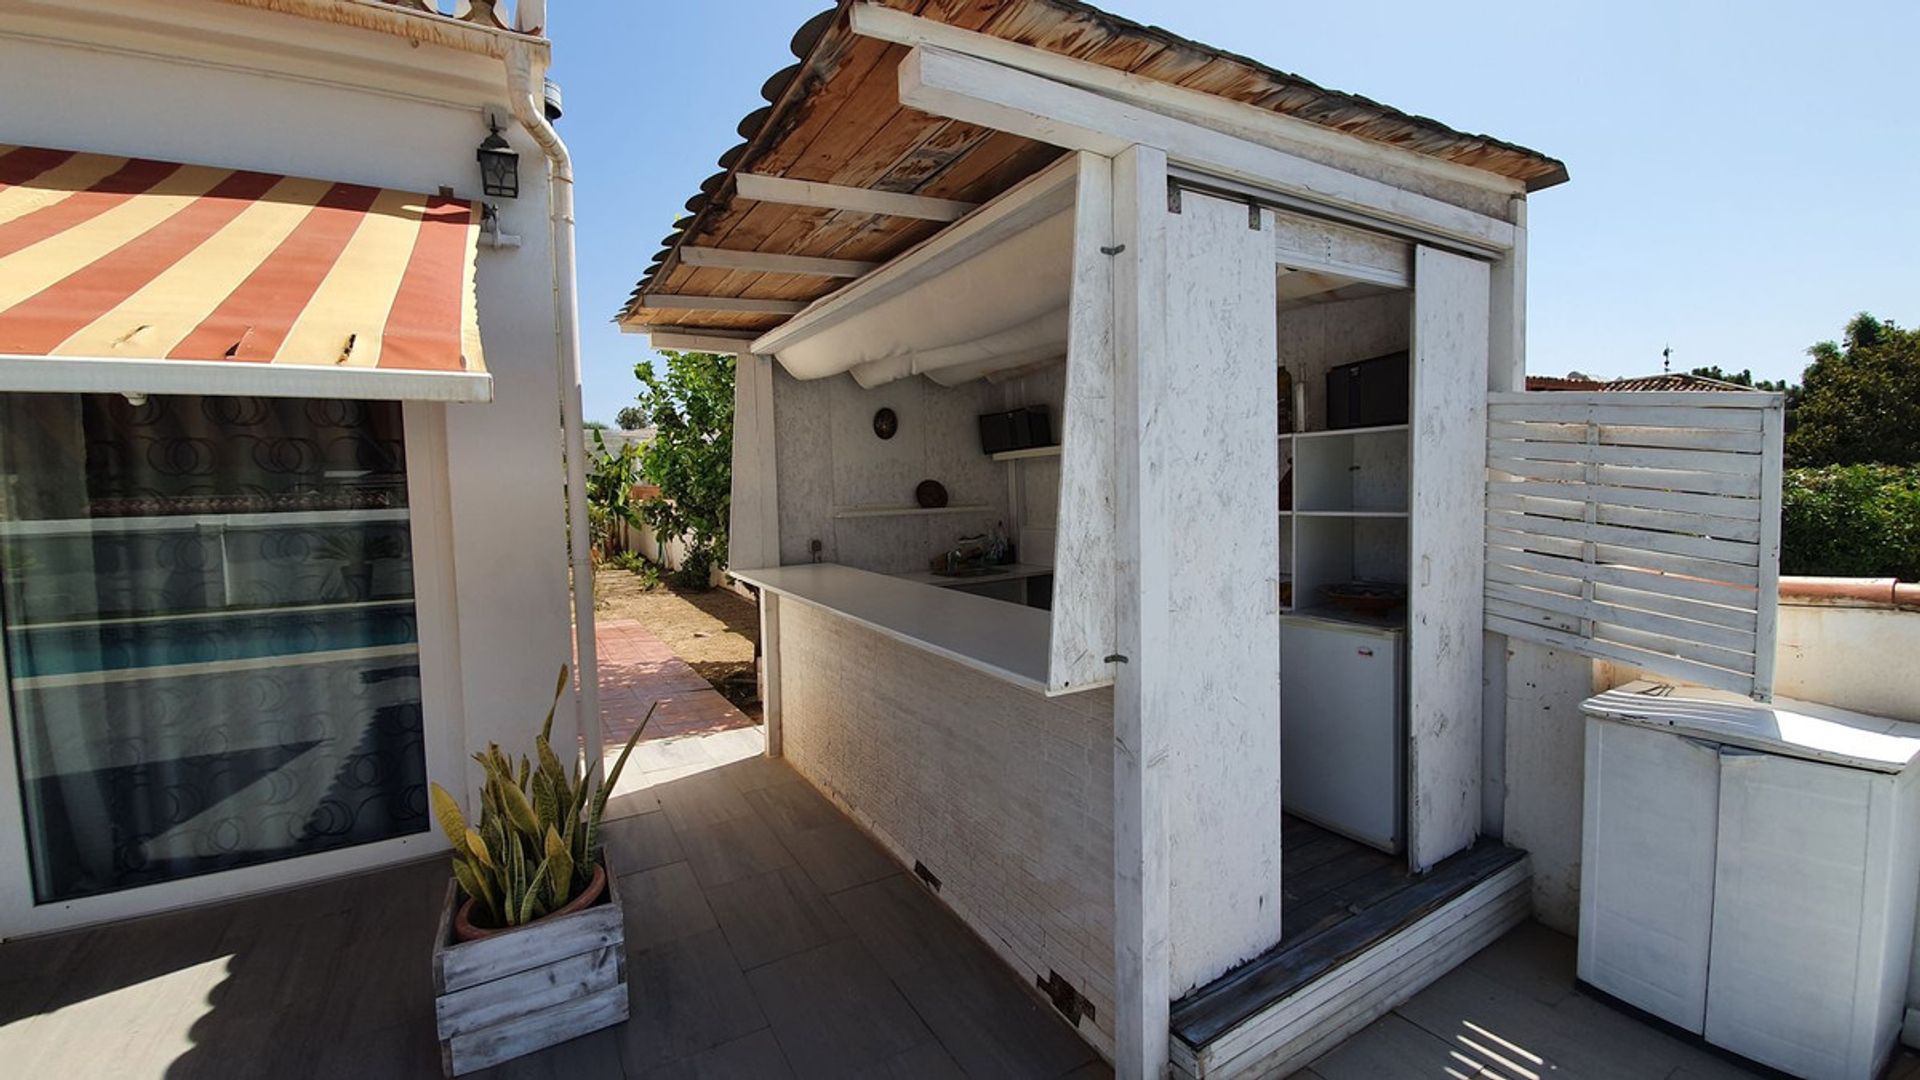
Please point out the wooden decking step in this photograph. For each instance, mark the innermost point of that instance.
(1353, 950)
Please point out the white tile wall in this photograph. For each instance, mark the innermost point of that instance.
(1005, 795)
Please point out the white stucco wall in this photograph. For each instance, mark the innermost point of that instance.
(1005, 795)
(210, 84)
(828, 456)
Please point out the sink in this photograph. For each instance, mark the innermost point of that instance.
(971, 571)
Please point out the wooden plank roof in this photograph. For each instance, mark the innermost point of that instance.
(834, 117)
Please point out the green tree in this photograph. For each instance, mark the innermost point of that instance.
(1860, 399)
(689, 406)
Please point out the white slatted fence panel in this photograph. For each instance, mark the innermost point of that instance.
(1639, 527)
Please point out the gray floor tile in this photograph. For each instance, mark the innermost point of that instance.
(928, 1061)
(834, 1010)
(687, 996)
(791, 807)
(772, 915)
(701, 799)
(1533, 959)
(1392, 1046)
(751, 1057)
(733, 849)
(628, 803)
(757, 772)
(664, 904)
(839, 856)
(977, 1006)
(641, 842)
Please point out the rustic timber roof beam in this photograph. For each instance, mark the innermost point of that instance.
(779, 189)
(772, 263)
(746, 304)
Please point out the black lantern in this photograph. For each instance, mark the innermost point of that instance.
(499, 167)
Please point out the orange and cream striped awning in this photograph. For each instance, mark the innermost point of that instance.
(130, 275)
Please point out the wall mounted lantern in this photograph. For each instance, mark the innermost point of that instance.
(499, 166)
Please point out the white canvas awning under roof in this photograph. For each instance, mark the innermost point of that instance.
(989, 294)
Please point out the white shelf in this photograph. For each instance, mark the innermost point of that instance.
(907, 511)
(1348, 513)
(1337, 432)
(1030, 452)
(187, 522)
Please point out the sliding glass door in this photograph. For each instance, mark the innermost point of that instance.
(210, 636)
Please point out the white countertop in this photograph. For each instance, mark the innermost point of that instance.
(1008, 572)
(1793, 728)
(1007, 641)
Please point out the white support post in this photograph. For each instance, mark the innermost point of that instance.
(770, 669)
(753, 533)
(1142, 986)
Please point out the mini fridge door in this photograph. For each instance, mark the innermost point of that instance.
(1342, 745)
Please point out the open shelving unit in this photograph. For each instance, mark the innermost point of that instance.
(1349, 514)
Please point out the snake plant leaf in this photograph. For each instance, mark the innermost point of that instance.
(551, 768)
(561, 873)
(526, 769)
(546, 805)
(473, 883)
(519, 810)
(477, 847)
(452, 821)
(529, 904)
(559, 688)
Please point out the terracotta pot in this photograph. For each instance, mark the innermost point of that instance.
(464, 929)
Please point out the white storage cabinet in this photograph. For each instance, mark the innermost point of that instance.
(1750, 872)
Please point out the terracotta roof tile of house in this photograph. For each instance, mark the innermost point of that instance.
(1670, 381)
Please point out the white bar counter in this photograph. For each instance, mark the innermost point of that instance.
(1006, 641)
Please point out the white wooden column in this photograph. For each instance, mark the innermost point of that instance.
(1142, 988)
(753, 530)
(770, 669)
(1445, 609)
(1196, 724)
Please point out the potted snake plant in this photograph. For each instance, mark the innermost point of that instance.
(531, 947)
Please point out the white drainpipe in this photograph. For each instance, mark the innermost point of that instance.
(527, 99)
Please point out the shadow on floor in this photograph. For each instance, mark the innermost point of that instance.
(767, 936)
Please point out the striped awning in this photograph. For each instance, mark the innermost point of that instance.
(129, 275)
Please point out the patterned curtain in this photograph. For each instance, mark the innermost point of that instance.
(210, 632)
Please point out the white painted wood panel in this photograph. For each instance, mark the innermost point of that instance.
(1654, 506)
(1084, 578)
(1445, 614)
(1211, 477)
(1646, 889)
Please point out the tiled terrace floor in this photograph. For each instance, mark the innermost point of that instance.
(766, 935)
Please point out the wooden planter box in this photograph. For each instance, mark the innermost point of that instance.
(514, 993)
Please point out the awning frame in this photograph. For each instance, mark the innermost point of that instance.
(118, 375)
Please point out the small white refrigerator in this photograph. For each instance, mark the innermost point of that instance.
(1342, 733)
(1749, 872)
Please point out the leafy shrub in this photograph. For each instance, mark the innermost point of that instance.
(1851, 521)
(635, 563)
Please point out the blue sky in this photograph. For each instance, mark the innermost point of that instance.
(1746, 176)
